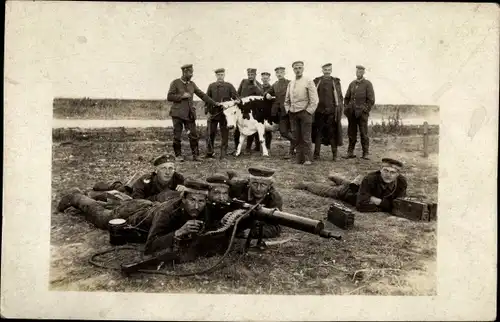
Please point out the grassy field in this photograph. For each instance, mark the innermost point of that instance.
(86, 108)
(383, 255)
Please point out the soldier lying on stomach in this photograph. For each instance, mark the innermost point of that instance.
(154, 186)
(371, 193)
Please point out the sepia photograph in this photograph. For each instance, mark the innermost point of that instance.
(253, 148)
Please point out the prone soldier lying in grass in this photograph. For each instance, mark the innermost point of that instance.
(371, 193)
(158, 185)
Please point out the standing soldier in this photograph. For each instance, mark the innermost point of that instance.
(183, 111)
(219, 91)
(268, 136)
(301, 102)
(248, 87)
(359, 100)
(327, 127)
(278, 112)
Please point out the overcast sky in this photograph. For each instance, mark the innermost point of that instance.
(130, 50)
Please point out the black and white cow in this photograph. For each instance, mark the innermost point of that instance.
(251, 115)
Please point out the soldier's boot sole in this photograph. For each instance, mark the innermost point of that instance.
(65, 201)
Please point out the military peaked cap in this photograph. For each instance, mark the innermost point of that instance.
(187, 66)
(220, 70)
(265, 73)
(360, 67)
(196, 186)
(251, 70)
(393, 162)
(297, 62)
(261, 171)
(279, 68)
(326, 65)
(163, 159)
(218, 178)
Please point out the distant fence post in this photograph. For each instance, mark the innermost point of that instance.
(426, 139)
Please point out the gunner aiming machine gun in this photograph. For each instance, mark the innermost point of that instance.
(251, 215)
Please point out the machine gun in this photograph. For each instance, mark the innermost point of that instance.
(245, 213)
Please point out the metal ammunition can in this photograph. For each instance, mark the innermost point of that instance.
(117, 234)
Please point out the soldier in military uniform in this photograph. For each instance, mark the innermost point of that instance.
(268, 136)
(183, 111)
(176, 225)
(358, 101)
(327, 127)
(248, 87)
(259, 186)
(155, 186)
(371, 193)
(219, 200)
(277, 93)
(219, 91)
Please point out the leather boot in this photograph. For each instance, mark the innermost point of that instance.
(334, 152)
(350, 151)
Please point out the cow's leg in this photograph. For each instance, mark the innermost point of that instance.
(261, 131)
(243, 138)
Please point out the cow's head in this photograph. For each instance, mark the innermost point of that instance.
(232, 112)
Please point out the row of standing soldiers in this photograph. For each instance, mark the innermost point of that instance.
(327, 101)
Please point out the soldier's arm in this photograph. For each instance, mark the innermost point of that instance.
(233, 93)
(276, 200)
(240, 88)
(287, 99)
(139, 187)
(177, 179)
(161, 234)
(370, 96)
(363, 203)
(173, 95)
(387, 203)
(347, 96)
(203, 96)
(339, 92)
(313, 97)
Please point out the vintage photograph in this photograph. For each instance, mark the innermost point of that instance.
(293, 166)
(250, 161)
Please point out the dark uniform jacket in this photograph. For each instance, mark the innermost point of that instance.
(248, 89)
(278, 90)
(373, 186)
(169, 217)
(149, 187)
(220, 92)
(359, 98)
(327, 105)
(184, 108)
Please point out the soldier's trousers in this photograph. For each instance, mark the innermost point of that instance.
(286, 130)
(212, 132)
(134, 211)
(352, 132)
(179, 124)
(301, 124)
(322, 121)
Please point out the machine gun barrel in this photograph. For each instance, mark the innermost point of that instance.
(275, 216)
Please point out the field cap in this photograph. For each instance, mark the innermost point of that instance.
(163, 159)
(265, 73)
(261, 174)
(251, 70)
(298, 62)
(327, 65)
(220, 70)
(392, 162)
(360, 67)
(218, 179)
(196, 186)
(279, 68)
(187, 66)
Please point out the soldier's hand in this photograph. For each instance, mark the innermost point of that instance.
(186, 95)
(375, 200)
(191, 226)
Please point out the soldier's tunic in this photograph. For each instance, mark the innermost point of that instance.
(245, 89)
(359, 196)
(168, 218)
(183, 113)
(149, 187)
(219, 92)
(239, 188)
(358, 102)
(327, 127)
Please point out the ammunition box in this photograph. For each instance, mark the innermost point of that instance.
(341, 216)
(411, 209)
